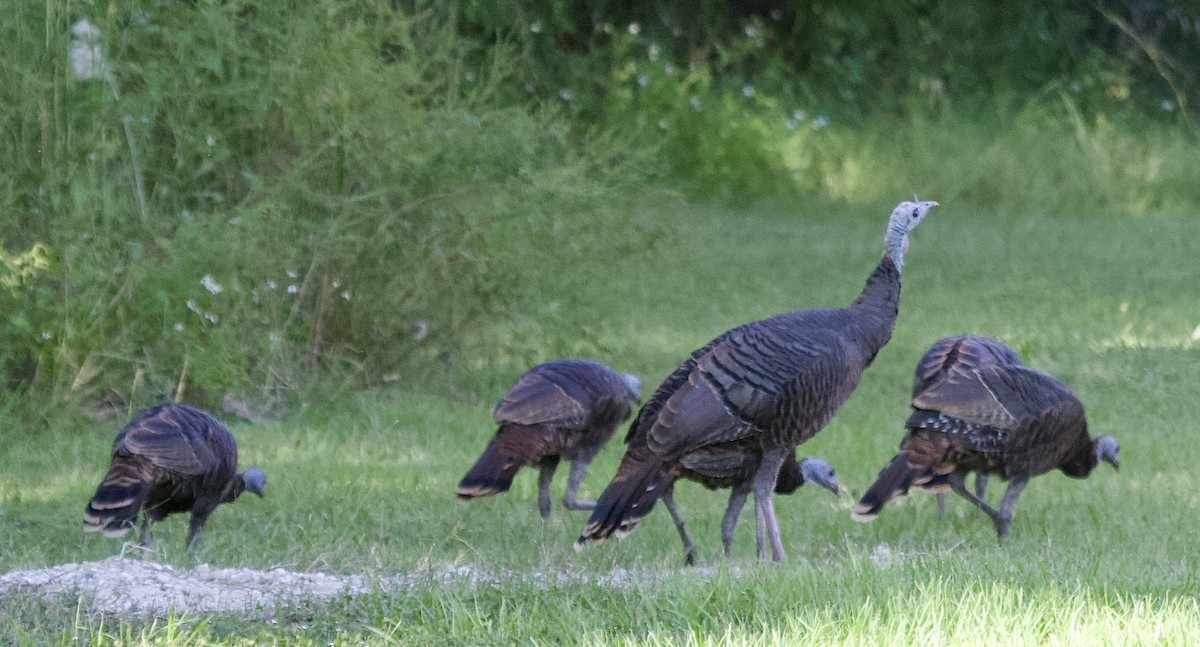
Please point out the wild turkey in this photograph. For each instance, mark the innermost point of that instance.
(170, 458)
(979, 409)
(732, 465)
(565, 408)
(946, 357)
(772, 383)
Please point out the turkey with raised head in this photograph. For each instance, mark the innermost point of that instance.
(979, 409)
(170, 458)
(771, 383)
(565, 408)
(732, 465)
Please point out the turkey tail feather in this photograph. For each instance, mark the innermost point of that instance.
(641, 479)
(115, 506)
(493, 472)
(893, 481)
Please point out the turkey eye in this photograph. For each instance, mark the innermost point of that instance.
(915, 212)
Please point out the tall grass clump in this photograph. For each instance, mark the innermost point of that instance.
(755, 101)
(1047, 156)
(215, 196)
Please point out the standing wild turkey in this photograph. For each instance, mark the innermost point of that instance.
(732, 465)
(979, 409)
(565, 408)
(772, 383)
(170, 458)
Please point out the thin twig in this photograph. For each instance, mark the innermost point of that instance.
(182, 379)
(135, 160)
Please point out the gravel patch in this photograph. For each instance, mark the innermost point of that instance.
(130, 587)
(139, 588)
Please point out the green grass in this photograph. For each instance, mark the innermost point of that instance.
(366, 485)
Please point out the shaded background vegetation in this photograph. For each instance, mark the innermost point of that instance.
(257, 198)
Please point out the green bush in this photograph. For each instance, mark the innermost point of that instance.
(249, 196)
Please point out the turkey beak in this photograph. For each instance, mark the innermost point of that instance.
(831, 484)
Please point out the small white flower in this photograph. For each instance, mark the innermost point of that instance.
(819, 122)
(346, 295)
(273, 337)
(293, 289)
(1167, 105)
(536, 28)
(178, 327)
(790, 124)
(564, 94)
(210, 140)
(751, 31)
(292, 274)
(669, 69)
(662, 124)
(653, 51)
(799, 115)
(747, 90)
(271, 285)
(634, 28)
(47, 335)
(643, 80)
(212, 318)
(529, 88)
(695, 103)
(1076, 86)
(210, 284)
(606, 27)
(87, 59)
(191, 305)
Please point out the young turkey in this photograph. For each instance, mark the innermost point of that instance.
(170, 458)
(565, 408)
(977, 408)
(772, 383)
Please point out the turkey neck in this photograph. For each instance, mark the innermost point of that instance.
(876, 307)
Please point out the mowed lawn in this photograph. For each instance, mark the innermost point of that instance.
(365, 484)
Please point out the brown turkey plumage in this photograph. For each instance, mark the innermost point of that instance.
(732, 465)
(562, 409)
(170, 458)
(977, 408)
(773, 383)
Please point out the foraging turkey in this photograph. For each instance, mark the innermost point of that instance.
(772, 383)
(979, 409)
(954, 356)
(732, 465)
(565, 408)
(170, 458)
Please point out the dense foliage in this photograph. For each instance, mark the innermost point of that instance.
(211, 196)
(229, 194)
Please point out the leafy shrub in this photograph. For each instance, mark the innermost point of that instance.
(249, 196)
